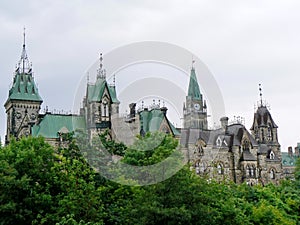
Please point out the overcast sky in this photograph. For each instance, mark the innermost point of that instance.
(243, 43)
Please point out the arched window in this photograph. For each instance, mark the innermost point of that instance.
(272, 174)
(246, 144)
(269, 136)
(248, 171)
(220, 169)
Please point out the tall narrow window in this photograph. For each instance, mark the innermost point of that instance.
(272, 174)
(220, 169)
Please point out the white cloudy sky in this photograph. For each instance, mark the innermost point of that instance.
(243, 43)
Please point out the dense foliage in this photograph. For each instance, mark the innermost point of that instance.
(43, 185)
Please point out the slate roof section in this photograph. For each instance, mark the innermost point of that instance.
(233, 136)
(247, 156)
(263, 149)
(51, 124)
(261, 116)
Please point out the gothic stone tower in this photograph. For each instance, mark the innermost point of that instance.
(264, 130)
(100, 104)
(194, 109)
(24, 102)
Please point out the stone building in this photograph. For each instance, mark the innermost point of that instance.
(100, 111)
(230, 152)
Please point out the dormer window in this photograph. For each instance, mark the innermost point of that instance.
(272, 155)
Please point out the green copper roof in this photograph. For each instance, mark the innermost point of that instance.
(151, 121)
(194, 90)
(95, 91)
(288, 160)
(51, 124)
(24, 88)
(113, 94)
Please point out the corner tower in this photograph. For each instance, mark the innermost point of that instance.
(24, 102)
(194, 109)
(264, 130)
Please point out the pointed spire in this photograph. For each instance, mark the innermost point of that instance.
(101, 73)
(194, 90)
(23, 65)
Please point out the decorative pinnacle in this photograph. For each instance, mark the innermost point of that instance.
(23, 65)
(101, 72)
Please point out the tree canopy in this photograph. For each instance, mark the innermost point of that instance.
(43, 185)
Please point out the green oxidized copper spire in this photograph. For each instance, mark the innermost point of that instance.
(194, 90)
(24, 87)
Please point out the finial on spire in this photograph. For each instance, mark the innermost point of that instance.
(193, 62)
(24, 35)
(114, 80)
(101, 60)
(260, 94)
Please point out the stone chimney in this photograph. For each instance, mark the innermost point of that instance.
(224, 122)
(132, 110)
(290, 151)
(296, 151)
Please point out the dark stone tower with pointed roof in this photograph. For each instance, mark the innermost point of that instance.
(24, 102)
(195, 109)
(264, 130)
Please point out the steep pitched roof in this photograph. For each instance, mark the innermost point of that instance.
(262, 116)
(194, 90)
(51, 124)
(95, 91)
(24, 88)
